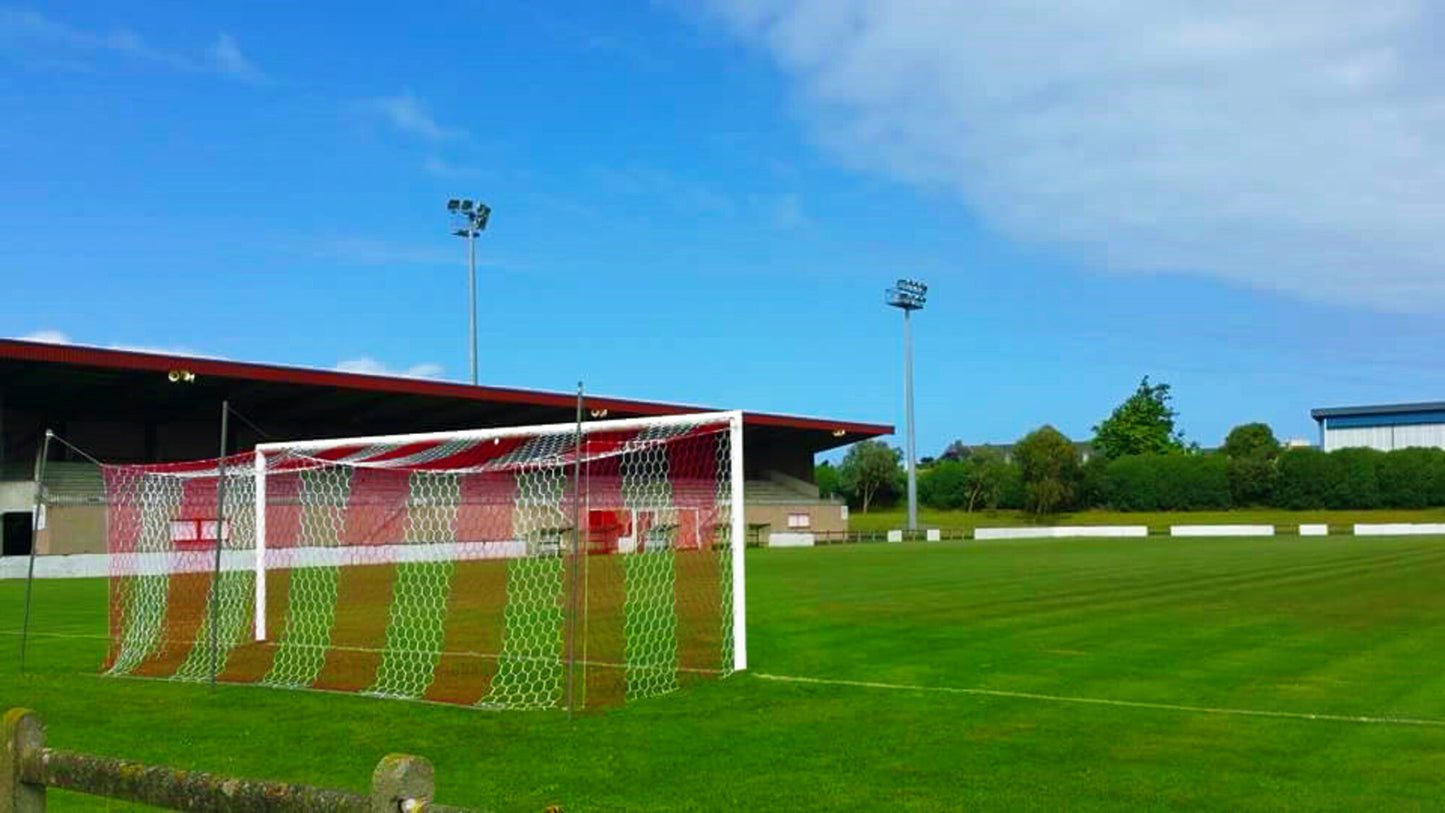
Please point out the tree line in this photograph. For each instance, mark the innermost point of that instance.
(1139, 461)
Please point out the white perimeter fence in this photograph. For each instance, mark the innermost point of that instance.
(98, 565)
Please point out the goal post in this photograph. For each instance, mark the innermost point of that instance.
(491, 567)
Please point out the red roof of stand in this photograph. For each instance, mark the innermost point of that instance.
(13, 352)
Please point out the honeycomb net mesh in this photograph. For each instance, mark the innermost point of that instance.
(517, 571)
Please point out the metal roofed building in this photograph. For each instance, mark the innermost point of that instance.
(1385, 427)
(128, 407)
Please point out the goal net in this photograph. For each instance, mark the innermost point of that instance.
(513, 568)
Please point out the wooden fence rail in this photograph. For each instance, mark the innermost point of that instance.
(400, 783)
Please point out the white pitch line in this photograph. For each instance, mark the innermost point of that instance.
(1099, 701)
(18, 633)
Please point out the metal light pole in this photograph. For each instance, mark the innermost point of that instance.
(909, 295)
(468, 220)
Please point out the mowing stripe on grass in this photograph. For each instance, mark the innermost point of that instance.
(415, 632)
(529, 668)
(235, 594)
(302, 648)
(651, 626)
(1099, 701)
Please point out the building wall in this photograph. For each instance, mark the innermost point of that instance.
(1385, 438)
(72, 529)
(824, 518)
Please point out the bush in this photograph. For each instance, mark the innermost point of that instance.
(1168, 482)
(1358, 483)
(1201, 482)
(1251, 480)
(1409, 478)
(1093, 483)
(1131, 483)
(1305, 479)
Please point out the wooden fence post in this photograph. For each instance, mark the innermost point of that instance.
(24, 732)
(401, 784)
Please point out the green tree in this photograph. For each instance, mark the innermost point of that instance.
(943, 485)
(1251, 449)
(825, 474)
(1143, 424)
(987, 476)
(1251, 440)
(1049, 466)
(870, 469)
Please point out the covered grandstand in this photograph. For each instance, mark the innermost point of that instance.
(129, 407)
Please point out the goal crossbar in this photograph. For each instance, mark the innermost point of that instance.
(737, 522)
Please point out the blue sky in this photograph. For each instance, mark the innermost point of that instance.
(704, 203)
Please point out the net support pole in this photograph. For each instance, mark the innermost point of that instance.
(35, 529)
(738, 515)
(260, 545)
(576, 558)
(220, 538)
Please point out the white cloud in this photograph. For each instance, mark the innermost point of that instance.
(47, 41)
(409, 115)
(29, 27)
(61, 337)
(1292, 145)
(788, 215)
(442, 168)
(226, 57)
(47, 337)
(370, 366)
(364, 251)
(675, 190)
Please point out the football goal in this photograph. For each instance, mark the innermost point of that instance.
(515, 568)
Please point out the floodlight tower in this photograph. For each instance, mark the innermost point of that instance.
(909, 295)
(468, 220)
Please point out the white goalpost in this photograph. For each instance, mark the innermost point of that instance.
(518, 567)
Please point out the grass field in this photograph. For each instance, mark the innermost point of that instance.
(1101, 674)
(1158, 521)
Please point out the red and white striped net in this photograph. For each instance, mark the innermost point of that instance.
(438, 569)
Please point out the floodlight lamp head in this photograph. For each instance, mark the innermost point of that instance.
(903, 298)
(453, 204)
(466, 204)
(483, 213)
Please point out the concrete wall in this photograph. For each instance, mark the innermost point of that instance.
(1063, 532)
(1221, 530)
(17, 496)
(1400, 529)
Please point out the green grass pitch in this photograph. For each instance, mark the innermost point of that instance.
(1239, 662)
